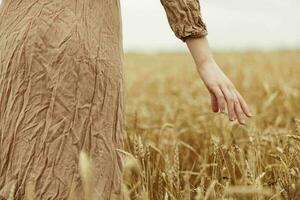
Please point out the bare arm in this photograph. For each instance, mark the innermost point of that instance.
(185, 19)
(221, 89)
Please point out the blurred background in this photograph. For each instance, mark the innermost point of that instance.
(232, 25)
(181, 149)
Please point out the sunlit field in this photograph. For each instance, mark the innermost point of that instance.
(177, 148)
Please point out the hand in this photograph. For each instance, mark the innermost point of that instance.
(221, 89)
(223, 92)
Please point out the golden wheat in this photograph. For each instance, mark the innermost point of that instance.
(168, 113)
(176, 148)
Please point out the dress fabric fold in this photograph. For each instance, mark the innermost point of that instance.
(184, 17)
(62, 92)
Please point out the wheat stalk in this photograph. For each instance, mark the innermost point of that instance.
(86, 174)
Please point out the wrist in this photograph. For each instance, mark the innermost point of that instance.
(204, 61)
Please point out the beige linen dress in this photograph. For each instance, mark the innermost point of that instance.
(62, 91)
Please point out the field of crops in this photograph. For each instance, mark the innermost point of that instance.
(177, 148)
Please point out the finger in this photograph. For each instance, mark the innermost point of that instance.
(214, 103)
(238, 110)
(244, 105)
(230, 102)
(220, 98)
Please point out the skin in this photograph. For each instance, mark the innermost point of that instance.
(222, 91)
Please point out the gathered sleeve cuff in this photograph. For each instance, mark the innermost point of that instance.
(184, 17)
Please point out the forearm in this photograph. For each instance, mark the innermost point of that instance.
(185, 20)
(200, 50)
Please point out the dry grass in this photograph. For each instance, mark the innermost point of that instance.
(178, 149)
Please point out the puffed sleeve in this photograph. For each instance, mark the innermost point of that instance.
(184, 18)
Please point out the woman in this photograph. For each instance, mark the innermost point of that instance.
(62, 92)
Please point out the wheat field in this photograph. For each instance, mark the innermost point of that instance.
(177, 148)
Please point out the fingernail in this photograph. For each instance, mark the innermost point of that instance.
(243, 121)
